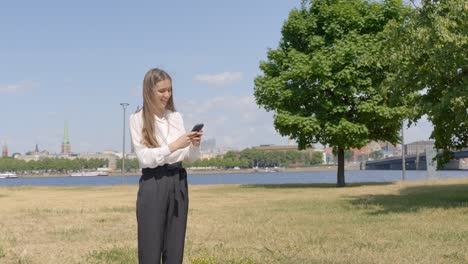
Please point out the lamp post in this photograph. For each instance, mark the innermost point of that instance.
(124, 107)
(403, 162)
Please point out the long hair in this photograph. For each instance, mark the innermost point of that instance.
(152, 77)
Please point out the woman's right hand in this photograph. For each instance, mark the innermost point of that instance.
(182, 142)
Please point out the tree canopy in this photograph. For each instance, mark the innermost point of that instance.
(322, 81)
(429, 55)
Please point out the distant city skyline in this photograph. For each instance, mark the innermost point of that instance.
(77, 61)
(414, 130)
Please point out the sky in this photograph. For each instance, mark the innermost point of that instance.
(76, 61)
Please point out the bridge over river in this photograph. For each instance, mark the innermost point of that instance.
(417, 162)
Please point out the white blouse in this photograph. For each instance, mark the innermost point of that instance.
(168, 129)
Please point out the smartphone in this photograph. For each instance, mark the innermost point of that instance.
(197, 127)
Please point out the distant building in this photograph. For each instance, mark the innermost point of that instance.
(388, 150)
(418, 147)
(33, 155)
(280, 147)
(210, 149)
(66, 146)
(388, 147)
(362, 154)
(28, 157)
(113, 156)
(38, 155)
(309, 151)
(207, 156)
(208, 145)
(4, 149)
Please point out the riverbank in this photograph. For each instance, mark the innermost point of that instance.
(262, 170)
(202, 171)
(410, 222)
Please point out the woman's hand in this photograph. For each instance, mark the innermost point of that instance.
(182, 142)
(197, 138)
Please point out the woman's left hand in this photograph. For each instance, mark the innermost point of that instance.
(197, 138)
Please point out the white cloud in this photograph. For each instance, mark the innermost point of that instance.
(234, 121)
(218, 80)
(17, 88)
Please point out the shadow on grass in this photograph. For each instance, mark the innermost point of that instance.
(415, 198)
(311, 185)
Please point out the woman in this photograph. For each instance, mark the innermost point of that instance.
(161, 144)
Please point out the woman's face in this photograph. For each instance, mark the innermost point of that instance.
(162, 93)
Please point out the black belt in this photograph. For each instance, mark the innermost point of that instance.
(164, 170)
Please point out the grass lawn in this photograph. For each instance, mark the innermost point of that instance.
(416, 222)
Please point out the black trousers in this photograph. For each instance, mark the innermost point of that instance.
(161, 210)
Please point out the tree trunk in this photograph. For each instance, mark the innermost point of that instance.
(340, 177)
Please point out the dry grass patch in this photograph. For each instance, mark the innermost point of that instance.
(417, 222)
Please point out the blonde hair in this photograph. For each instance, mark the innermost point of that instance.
(152, 77)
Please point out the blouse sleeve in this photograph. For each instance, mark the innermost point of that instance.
(147, 157)
(191, 153)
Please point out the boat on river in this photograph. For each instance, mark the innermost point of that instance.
(267, 169)
(8, 175)
(89, 173)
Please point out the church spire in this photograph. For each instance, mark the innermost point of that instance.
(4, 149)
(66, 138)
(66, 147)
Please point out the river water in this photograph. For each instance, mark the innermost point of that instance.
(242, 178)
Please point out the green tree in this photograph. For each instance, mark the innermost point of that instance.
(231, 154)
(314, 159)
(430, 56)
(130, 164)
(321, 82)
